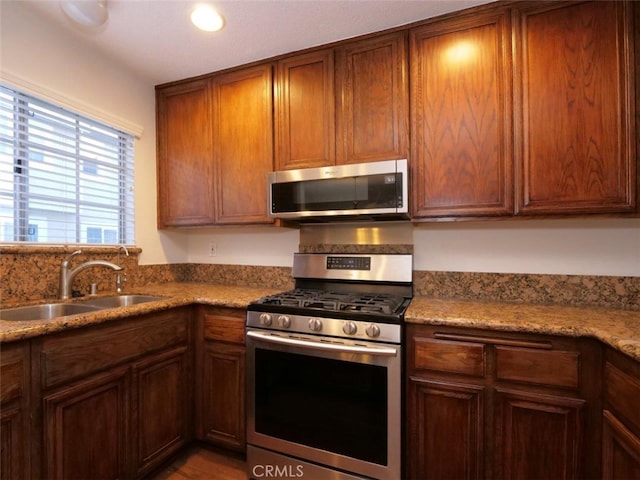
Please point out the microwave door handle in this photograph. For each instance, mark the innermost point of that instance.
(378, 351)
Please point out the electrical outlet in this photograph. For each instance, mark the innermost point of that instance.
(212, 249)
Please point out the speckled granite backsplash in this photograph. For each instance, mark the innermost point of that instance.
(573, 290)
(31, 273)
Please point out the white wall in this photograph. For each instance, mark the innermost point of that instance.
(32, 49)
(48, 58)
(597, 246)
(244, 245)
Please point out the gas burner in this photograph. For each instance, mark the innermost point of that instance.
(336, 301)
(334, 289)
(322, 304)
(383, 304)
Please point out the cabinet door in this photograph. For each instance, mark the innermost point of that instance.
(86, 427)
(436, 409)
(462, 152)
(621, 418)
(620, 450)
(185, 156)
(305, 111)
(575, 92)
(14, 411)
(12, 448)
(372, 100)
(223, 395)
(160, 408)
(537, 436)
(243, 144)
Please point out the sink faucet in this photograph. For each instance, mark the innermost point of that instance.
(67, 276)
(121, 278)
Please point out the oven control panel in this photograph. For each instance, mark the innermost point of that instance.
(354, 329)
(348, 263)
(372, 267)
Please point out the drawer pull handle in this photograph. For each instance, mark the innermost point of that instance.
(493, 340)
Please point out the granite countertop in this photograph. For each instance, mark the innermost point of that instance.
(617, 328)
(177, 294)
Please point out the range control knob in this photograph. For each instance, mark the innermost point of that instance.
(373, 330)
(350, 328)
(284, 321)
(265, 319)
(315, 324)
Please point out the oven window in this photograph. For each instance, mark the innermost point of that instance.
(322, 403)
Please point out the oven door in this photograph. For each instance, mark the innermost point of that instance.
(328, 401)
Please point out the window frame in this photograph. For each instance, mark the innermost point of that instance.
(114, 151)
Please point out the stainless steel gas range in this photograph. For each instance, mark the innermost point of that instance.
(324, 370)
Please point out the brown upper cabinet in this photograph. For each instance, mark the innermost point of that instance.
(215, 149)
(461, 155)
(185, 155)
(347, 105)
(305, 111)
(372, 101)
(517, 109)
(575, 107)
(242, 143)
(545, 127)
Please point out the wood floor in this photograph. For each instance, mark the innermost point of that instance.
(200, 463)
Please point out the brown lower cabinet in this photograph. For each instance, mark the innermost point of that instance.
(220, 384)
(497, 405)
(621, 418)
(115, 397)
(86, 427)
(160, 407)
(14, 411)
(116, 400)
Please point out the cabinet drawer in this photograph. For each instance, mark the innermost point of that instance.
(540, 367)
(622, 393)
(225, 325)
(77, 354)
(449, 356)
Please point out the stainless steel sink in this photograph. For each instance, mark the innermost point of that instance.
(48, 311)
(45, 312)
(120, 301)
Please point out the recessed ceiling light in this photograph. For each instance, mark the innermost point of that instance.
(206, 18)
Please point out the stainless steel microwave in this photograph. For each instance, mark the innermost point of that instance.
(376, 190)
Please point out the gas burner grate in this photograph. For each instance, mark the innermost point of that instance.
(336, 301)
(384, 304)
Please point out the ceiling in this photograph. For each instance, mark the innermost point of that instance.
(156, 41)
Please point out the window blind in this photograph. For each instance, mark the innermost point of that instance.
(64, 178)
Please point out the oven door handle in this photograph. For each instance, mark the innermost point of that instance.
(379, 351)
